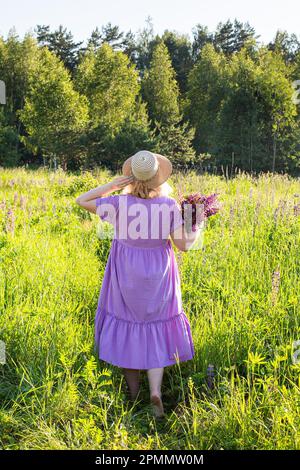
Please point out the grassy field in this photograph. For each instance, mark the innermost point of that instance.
(241, 295)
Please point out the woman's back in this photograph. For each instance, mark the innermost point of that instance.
(143, 223)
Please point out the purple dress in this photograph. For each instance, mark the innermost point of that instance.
(140, 322)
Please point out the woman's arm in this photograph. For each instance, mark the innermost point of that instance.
(184, 240)
(88, 200)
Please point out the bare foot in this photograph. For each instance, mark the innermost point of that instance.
(157, 406)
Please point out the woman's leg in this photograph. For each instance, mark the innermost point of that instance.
(132, 377)
(155, 377)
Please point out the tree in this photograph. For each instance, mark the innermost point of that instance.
(231, 37)
(115, 38)
(274, 82)
(160, 89)
(287, 45)
(201, 37)
(54, 114)
(134, 134)
(61, 43)
(144, 40)
(161, 93)
(180, 53)
(17, 62)
(8, 142)
(238, 129)
(111, 85)
(242, 107)
(175, 140)
(117, 117)
(206, 90)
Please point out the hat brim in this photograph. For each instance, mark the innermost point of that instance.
(163, 173)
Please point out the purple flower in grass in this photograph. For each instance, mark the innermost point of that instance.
(210, 374)
(275, 284)
(297, 209)
(10, 221)
(23, 200)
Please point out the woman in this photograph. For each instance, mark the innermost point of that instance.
(140, 323)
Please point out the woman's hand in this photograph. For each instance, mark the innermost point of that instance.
(120, 182)
(88, 199)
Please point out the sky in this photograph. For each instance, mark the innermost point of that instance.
(82, 16)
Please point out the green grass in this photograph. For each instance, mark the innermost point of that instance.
(55, 394)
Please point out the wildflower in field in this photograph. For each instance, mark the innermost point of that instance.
(297, 209)
(10, 221)
(43, 205)
(210, 376)
(275, 285)
(231, 219)
(254, 361)
(16, 197)
(256, 217)
(23, 200)
(280, 210)
(276, 212)
(190, 204)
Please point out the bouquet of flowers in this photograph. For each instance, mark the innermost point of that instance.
(198, 207)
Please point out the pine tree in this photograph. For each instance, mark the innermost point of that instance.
(201, 37)
(160, 89)
(161, 93)
(231, 37)
(61, 43)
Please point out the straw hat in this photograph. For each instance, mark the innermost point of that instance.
(151, 168)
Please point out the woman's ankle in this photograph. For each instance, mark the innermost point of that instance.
(156, 393)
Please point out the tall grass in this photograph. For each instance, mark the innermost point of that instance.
(241, 295)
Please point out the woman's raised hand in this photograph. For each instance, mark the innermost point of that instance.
(120, 182)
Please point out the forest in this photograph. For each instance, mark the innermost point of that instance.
(213, 101)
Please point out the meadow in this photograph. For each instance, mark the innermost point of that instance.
(240, 293)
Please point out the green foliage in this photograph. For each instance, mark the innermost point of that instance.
(229, 38)
(111, 150)
(54, 113)
(242, 108)
(161, 92)
(61, 43)
(179, 49)
(110, 84)
(160, 88)
(223, 94)
(206, 90)
(8, 143)
(18, 59)
(175, 141)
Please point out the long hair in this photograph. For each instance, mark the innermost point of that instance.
(140, 189)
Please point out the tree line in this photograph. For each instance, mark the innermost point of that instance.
(218, 99)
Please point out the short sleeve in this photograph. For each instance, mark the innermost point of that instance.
(107, 207)
(176, 219)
